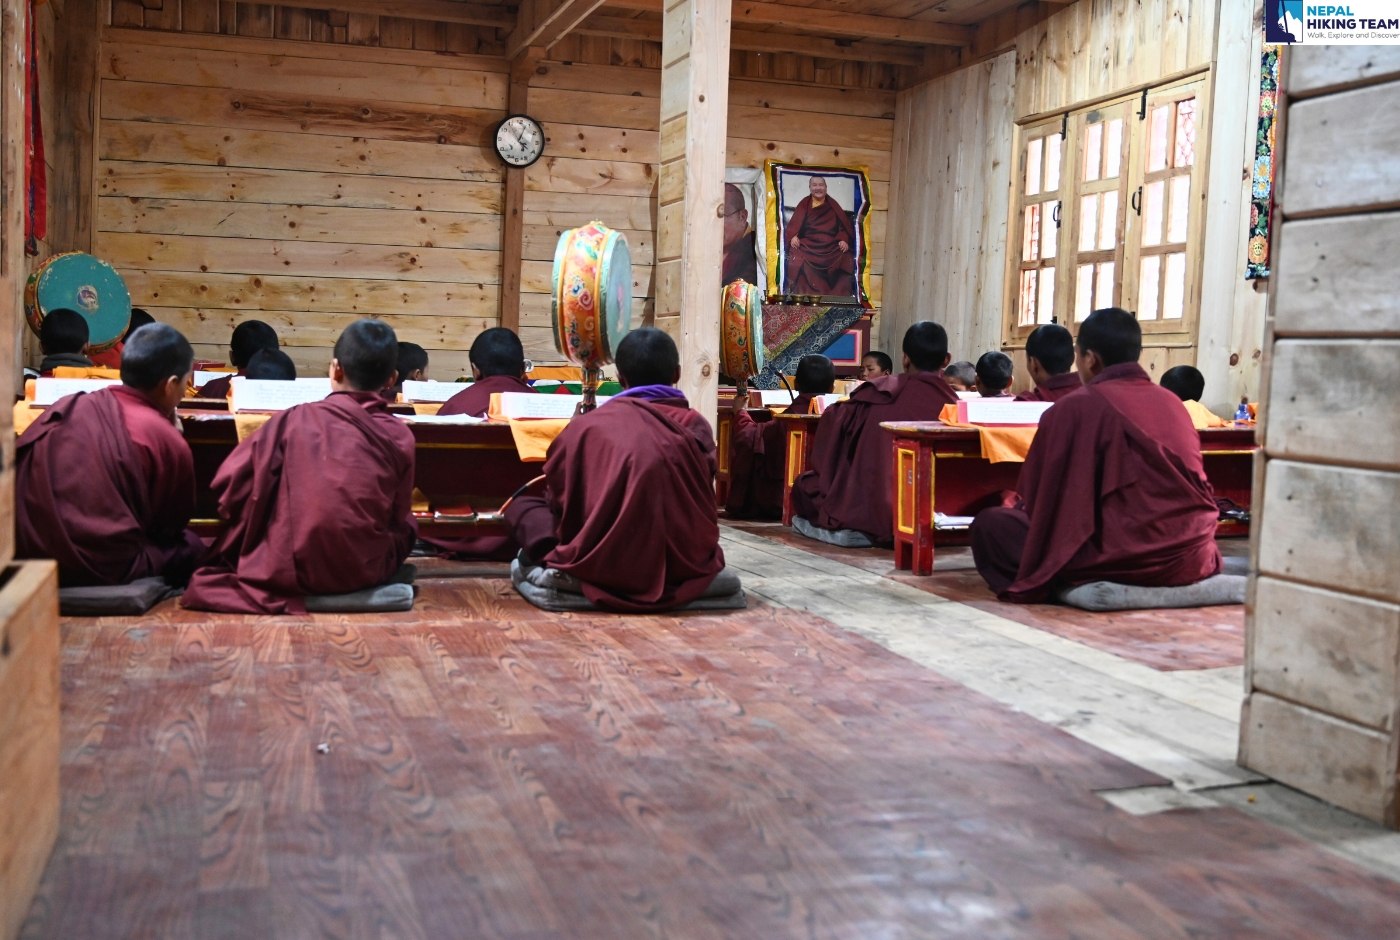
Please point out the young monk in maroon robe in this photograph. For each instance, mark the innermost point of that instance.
(995, 373)
(757, 451)
(1050, 361)
(249, 337)
(498, 365)
(851, 483)
(1113, 488)
(104, 482)
(318, 500)
(820, 235)
(629, 504)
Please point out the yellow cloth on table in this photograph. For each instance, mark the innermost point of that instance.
(560, 373)
(999, 445)
(77, 372)
(1202, 417)
(428, 407)
(25, 416)
(534, 435)
(246, 424)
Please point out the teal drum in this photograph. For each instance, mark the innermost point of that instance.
(80, 282)
(592, 308)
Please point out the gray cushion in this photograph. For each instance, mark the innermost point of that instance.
(397, 595)
(1106, 595)
(845, 538)
(549, 589)
(117, 600)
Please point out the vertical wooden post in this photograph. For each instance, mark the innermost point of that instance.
(12, 59)
(690, 220)
(522, 68)
(73, 135)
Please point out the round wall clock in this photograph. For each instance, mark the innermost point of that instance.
(520, 140)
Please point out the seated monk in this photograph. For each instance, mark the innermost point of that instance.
(851, 483)
(112, 358)
(629, 501)
(1185, 382)
(1050, 361)
(412, 367)
(961, 376)
(875, 365)
(272, 365)
(104, 482)
(249, 337)
(820, 236)
(756, 451)
(63, 339)
(1113, 488)
(319, 500)
(995, 373)
(498, 365)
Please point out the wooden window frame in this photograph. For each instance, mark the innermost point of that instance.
(1133, 174)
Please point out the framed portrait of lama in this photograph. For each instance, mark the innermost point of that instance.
(818, 232)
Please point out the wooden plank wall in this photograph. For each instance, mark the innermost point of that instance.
(1323, 624)
(951, 154)
(333, 171)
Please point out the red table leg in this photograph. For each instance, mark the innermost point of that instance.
(723, 437)
(913, 505)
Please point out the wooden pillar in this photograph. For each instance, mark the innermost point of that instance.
(73, 134)
(1322, 626)
(690, 220)
(522, 68)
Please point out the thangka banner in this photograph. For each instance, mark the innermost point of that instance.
(1262, 191)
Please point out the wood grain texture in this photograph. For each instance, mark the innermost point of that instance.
(1365, 125)
(1323, 390)
(495, 771)
(1329, 265)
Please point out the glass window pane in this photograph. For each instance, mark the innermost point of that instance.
(1184, 151)
(1046, 305)
(1033, 167)
(1157, 138)
(1093, 151)
(1103, 290)
(1030, 234)
(1174, 291)
(1180, 208)
(1052, 163)
(1147, 287)
(1152, 213)
(1084, 293)
(1088, 222)
(1108, 221)
(1113, 150)
(1051, 230)
(1026, 310)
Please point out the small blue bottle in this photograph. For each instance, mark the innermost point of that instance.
(1242, 412)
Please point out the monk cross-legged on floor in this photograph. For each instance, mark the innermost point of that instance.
(104, 481)
(851, 483)
(1113, 488)
(756, 451)
(498, 365)
(1050, 361)
(318, 500)
(629, 503)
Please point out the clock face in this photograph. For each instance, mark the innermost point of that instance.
(519, 140)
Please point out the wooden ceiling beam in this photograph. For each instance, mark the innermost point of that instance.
(437, 11)
(754, 41)
(830, 22)
(545, 22)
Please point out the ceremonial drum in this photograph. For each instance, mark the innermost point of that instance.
(592, 307)
(83, 283)
(741, 331)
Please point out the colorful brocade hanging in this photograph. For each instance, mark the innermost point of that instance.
(1262, 191)
(36, 182)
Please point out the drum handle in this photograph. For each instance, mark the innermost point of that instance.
(502, 510)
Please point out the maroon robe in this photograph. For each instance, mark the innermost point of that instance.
(1053, 388)
(818, 265)
(851, 481)
(1114, 489)
(217, 388)
(741, 260)
(104, 485)
(629, 505)
(756, 463)
(476, 398)
(318, 501)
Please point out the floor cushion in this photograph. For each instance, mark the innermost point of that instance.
(845, 538)
(1106, 595)
(395, 596)
(116, 600)
(553, 590)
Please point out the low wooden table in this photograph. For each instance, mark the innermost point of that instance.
(940, 468)
(799, 436)
(466, 471)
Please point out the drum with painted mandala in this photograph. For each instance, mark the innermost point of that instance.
(80, 282)
(741, 331)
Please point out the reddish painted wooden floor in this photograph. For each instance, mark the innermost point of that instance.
(497, 772)
(1163, 639)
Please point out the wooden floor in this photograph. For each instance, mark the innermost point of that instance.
(1204, 638)
(496, 772)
